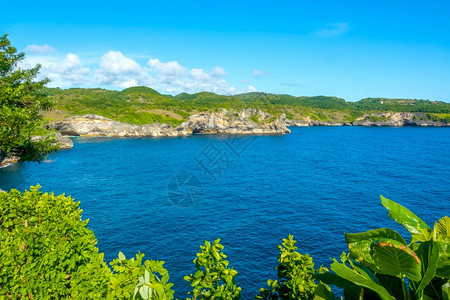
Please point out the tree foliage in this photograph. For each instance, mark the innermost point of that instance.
(21, 101)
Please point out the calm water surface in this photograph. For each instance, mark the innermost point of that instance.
(165, 196)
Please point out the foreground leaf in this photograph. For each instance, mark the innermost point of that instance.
(394, 258)
(351, 275)
(359, 244)
(428, 253)
(404, 216)
(442, 229)
(323, 292)
(443, 269)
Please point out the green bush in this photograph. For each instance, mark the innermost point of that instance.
(213, 279)
(131, 278)
(295, 275)
(47, 252)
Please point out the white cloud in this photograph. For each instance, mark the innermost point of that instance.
(40, 49)
(251, 88)
(173, 77)
(259, 73)
(333, 29)
(171, 68)
(71, 70)
(218, 72)
(116, 62)
(198, 74)
(63, 72)
(115, 70)
(119, 71)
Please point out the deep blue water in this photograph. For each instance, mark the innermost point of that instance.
(314, 183)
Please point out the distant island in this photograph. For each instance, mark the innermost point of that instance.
(142, 111)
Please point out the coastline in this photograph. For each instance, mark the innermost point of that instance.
(245, 122)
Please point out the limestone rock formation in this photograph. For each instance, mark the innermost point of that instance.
(95, 125)
(224, 121)
(64, 142)
(398, 119)
(231, 122)
(387, 119)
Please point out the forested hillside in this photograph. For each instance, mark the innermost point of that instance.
(141, 105)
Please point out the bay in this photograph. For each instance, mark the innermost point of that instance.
(165, 196)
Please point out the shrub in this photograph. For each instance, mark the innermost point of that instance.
(213, 279)
(295, 274)
(47, 252)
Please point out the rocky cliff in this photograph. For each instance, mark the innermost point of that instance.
(399, 119)
(388, 119)
(244, 122)
(94, 125)
(248, 121)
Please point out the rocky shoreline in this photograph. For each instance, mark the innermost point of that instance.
(388, 119)
(246, 122)
(249, 121)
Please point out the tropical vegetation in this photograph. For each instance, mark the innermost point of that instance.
(48, 252)
(21, 102)
(140, 105)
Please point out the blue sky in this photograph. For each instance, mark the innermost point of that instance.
(349, 49)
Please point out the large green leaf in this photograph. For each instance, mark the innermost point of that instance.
(323, 292)
(333, 279)
(394, 258)
(373, 235)
(404, 216)
(428, 253)
(393, 284)
(446, 291)
(359, 243)
(442, 229)
(360, 251)
(443, 268)
(361, 280)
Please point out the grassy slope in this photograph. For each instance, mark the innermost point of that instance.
(141, 105)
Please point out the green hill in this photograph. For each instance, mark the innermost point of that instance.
(140, 105)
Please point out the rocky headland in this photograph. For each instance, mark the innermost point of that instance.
(248, 121)
(388, 119)
(63, 143)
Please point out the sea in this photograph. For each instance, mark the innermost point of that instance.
(165, 196)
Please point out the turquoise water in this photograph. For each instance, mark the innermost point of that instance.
(165, 196)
